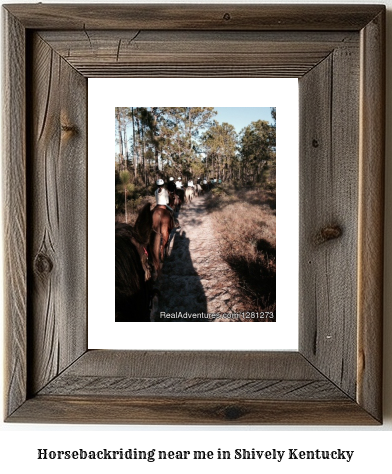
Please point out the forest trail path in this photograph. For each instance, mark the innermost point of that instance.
(194, 278)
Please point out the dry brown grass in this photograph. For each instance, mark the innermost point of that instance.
(245, 227)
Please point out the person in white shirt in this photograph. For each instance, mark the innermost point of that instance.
(180, 192)
(162, 195)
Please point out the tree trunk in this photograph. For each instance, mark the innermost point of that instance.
(135, 158)
(126, 147)
(190, 132)
(120, 140)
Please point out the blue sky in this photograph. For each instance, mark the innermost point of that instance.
(240, 117)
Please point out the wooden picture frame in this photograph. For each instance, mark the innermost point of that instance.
(338, 54)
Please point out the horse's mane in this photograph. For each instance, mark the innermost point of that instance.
(143, 225)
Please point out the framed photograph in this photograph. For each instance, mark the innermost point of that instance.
(337, 54)
(216, 280)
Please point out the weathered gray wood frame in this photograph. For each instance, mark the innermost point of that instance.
(337, 52)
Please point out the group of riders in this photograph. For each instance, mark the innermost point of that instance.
(169, 199)
(173, 194)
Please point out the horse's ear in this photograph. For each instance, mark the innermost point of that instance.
(143, 224)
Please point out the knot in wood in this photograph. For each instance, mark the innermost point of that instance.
(328, 233)
(232, 412)
(68, 128)
(227, 16)
(315, 143)
(43, 264)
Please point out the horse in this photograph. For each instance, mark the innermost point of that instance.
(181, 196)
(188, 195)
(174, 201)
(199, 190)
(133, 285)
(162, 225)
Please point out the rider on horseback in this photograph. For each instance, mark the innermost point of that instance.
(179, 191)
(162, 195)
(179, 183)
(171, 186)
(162, 224)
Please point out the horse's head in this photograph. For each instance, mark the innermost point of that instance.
(132, 273)
(143, 225)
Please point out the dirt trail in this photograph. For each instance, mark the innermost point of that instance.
(194, 277)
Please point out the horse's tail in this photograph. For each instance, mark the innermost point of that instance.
(156, 249)
(172, 222)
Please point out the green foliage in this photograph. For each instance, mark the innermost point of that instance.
(257, 150)
(181, 128)
(159, 142)
(125, 178)
(220, 144)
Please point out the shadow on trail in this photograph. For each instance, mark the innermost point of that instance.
(179, 285)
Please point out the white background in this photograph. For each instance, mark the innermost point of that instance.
(19, 443)
(104, 95)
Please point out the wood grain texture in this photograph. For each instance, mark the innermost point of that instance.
(195, 53)
(371, 216)
(336, 376)
(188, 387)
(14, 208)
(58, 215)
(205, 364)
(194, 387)
(203, 374)
(103, 409)
(328, 216)
(195, 17)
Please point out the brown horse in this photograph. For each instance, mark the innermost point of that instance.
(181, 195)
(162, 225)
(133, 276)
(174, 201)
